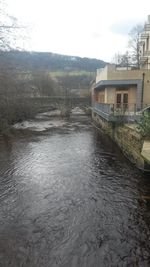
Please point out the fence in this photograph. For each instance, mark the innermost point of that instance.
(114, 111)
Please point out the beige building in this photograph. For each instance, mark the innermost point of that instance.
(120, 91)
(123, 90)
(145, 46)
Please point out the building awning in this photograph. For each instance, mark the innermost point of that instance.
(116, 83)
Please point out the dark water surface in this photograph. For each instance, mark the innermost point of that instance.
(69, 198)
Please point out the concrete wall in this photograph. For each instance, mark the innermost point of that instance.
(101, 74)
(111, 73)
(124, 74)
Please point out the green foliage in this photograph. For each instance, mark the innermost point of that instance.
(144, 125)
(80, 81)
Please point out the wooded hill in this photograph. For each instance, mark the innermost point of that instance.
(51, 61)
(69, 71)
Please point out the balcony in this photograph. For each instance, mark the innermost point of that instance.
(146, 54)
(114, 112)
(144, 35)
(143, 59)
(147, 27)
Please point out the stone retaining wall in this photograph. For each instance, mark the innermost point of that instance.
(126, 137)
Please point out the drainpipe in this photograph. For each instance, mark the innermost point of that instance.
(143, 78)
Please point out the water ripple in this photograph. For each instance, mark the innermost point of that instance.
(71, 199)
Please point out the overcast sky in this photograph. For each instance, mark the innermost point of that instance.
(86, 28)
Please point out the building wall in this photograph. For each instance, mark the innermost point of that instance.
(110, 95)
(101, 96)
(101, 74)
(145, 45)
(132, 95)
(110, 73)
(124, 74)
(146, 95)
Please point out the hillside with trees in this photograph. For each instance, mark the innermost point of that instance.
(30, 80)
(51, 61)
(72, 73)
(26, 77)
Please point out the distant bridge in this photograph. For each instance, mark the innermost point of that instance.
(48, 103)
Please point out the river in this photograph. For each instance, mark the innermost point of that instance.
(69, 198)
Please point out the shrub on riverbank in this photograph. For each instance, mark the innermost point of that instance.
(144, 125)
(13, 112)
(22, 94)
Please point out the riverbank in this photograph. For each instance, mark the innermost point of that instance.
(129, 140)
(48, 120)
(42, 122)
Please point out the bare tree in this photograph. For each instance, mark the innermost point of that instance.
(123, 60)
(134, 44)
(14, 97)
(43, 84)
(10, 30)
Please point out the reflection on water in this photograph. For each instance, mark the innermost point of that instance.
(69, 198)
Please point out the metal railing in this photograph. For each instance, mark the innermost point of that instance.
(112, 111)
(104, 107)
(116, 109)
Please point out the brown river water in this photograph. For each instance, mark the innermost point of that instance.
(68, 197)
